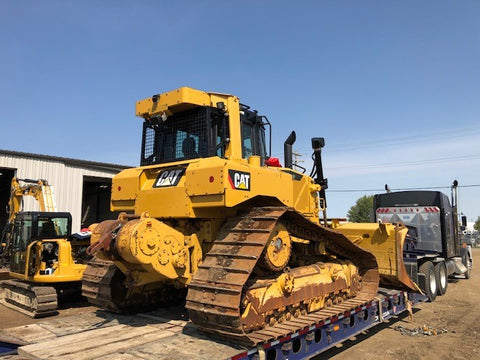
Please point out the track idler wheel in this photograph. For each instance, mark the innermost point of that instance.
(278, 250)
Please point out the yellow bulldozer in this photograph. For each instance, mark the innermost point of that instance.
(209, 213)
(45, 260)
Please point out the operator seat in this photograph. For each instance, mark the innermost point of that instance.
(48, 229)
(188, 148)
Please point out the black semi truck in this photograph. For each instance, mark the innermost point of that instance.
(433, 250)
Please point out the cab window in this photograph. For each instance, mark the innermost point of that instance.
(22, 234)
(52, 227)
(253, 138)
(247, 139)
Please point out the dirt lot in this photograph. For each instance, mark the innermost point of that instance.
(458, 311)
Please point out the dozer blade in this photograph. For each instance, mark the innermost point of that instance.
(386, 242)
(30, 299)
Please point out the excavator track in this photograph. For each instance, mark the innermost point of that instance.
(216, 292)
(103, 286)
(32, 300)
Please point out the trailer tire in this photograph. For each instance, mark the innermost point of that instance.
(430, 290)
(441, 278)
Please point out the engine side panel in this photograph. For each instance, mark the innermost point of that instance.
(204, 187)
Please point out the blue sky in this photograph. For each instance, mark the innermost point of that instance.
(392, 86)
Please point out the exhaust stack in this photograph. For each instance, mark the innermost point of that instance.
(287, 149)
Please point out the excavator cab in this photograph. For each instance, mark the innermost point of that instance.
(35, 242)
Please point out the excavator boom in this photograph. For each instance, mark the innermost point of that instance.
(40, 190)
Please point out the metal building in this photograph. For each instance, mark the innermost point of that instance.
(81, 187)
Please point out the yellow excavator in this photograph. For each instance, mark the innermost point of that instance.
(41, 191)
(45, 259)
(210, 214)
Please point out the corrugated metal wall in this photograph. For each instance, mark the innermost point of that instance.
(66, 179)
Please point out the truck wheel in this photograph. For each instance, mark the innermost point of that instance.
(468, 273)
(430, 290)
(441, 278)
(467, 261)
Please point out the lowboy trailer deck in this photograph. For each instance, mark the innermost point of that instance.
(167, 333)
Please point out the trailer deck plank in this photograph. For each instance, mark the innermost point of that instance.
(94, 343)
(103, 335)
(90, 321)
(164, 332)
(120, 356)
(190, 344)
(28, 334)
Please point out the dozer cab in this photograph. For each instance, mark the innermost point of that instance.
(208, 212)
(46, 261)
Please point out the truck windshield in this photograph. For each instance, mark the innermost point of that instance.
(427, 222)
(185, 135)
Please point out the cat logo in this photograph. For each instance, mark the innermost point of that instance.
(239, 180)
(169, 177)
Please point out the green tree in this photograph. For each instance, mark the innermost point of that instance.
(360, 212)
(476, 226)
